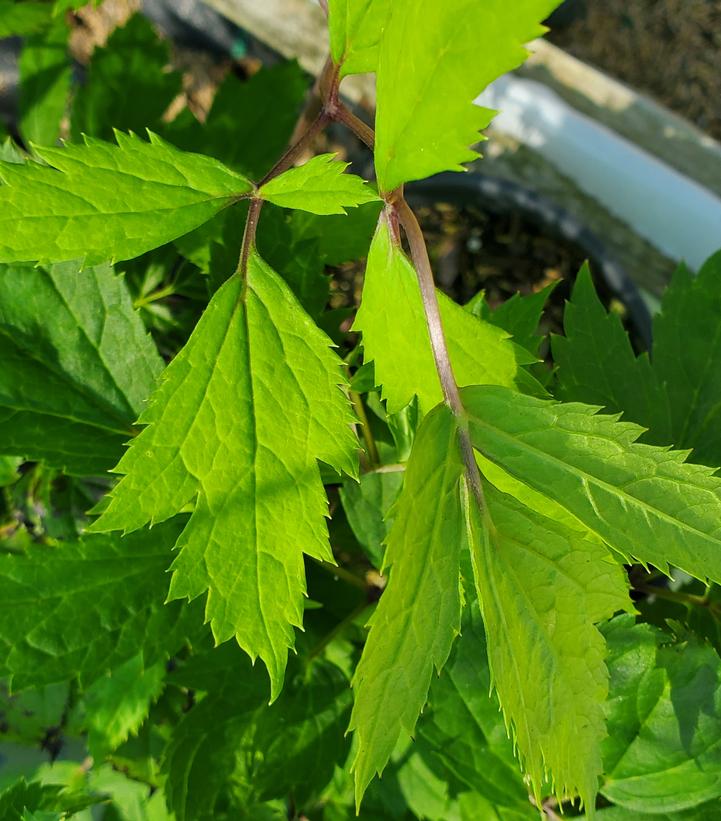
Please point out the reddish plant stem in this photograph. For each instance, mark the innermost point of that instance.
(400, 210)
(344, 115)
(251, 228)
(441, 357)
(294, 151)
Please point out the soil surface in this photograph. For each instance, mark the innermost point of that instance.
(670, 49)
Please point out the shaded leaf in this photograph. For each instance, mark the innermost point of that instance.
(118, 703)
(77, 365)
(597, 365)
(127, 86)
(663, 753)
(250, 123)
(367, 504)
(85, 607)
(21, 19)
(44, 84)
(464, 727)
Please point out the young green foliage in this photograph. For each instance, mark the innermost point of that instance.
(395, 336)
(644, 501)
(318, 186)
(419, 614)
(356, 27)
(98, 202)
(542, 589)
(237, 425)
(435, 59)
(76, 365)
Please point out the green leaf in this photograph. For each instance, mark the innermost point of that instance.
(86, 607)
(435, 59)
(8, 470)
(663, 752)
(238, 423)
(418, 616)
(319, 186)
(45, 73)
(119, 702)
(644, 501)
(232, 740)
(395, 334)
(463, 726)
(367, 504)
(99, 201)
(250, 123)
(686, 351)
(678, 395)
(542, 589)
(519, 315)
(21, 19)
(356, 27)
(76, 365)
(340, 238)
(597, 365)
(127, 87)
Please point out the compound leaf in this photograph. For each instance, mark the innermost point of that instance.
(663, 751)
(356, 27)
(644, 501)
(542, 589)
(85, 607)
(77, 365)
(431, 68)
(238, 423)
(395, 334)
(319, 186)
(99, 202)
(418, 616)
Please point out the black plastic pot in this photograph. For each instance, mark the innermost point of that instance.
(503, 197)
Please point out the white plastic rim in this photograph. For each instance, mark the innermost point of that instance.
(674, 213)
